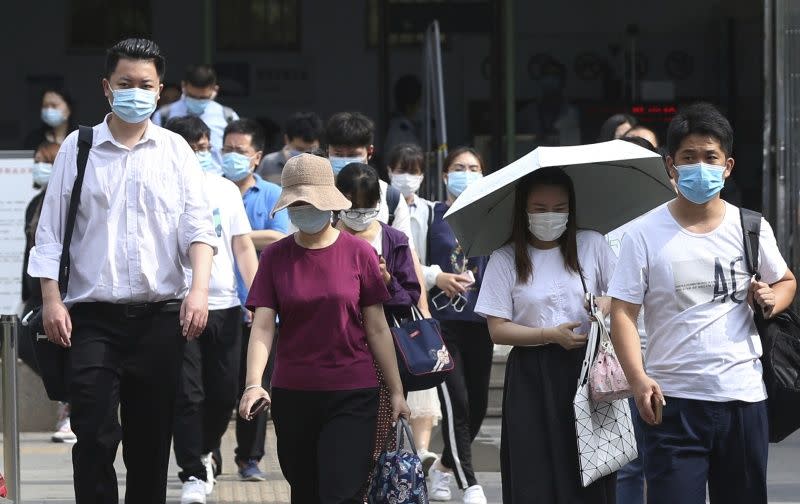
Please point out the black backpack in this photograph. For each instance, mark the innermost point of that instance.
(780, 339)
(392, 200)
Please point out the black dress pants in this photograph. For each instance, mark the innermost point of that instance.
(325, 441)
(252, 434)
(207, 390)
(132, 364)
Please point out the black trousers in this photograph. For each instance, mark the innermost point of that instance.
(132, 364)
(252, 435)
(207, 391)
(464, 395)
(325, 441)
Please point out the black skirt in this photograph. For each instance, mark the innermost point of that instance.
(539, 447)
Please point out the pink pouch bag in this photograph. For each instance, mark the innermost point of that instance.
(607, 381)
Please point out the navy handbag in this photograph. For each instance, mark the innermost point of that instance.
(422, 357)
(398, 476)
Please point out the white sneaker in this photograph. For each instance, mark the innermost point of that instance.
(208, 463)
(63, 433)
(474, 495)
(427, 458)
(440, 484)
(194, 491)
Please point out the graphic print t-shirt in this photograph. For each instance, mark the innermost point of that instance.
(702, 342)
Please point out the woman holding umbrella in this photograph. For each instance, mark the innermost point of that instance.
(533, 298)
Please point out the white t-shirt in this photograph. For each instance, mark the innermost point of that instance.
(614, 239)
(554, 294)
(702, 342)
(230, 219)
(402, 217)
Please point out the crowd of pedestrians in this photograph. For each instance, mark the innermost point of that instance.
(210, 276)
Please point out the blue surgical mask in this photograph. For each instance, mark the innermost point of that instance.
(700, 182)
(457, 181)
(338, 163)
(196, 106)
(41, 173)
(206, 161)
(235, 166)
(53, 117)
(133, 105)
(308, 219)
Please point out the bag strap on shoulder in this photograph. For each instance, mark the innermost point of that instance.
(751, 230)
(392, 200)
(85, 138)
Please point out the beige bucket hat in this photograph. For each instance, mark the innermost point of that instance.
(309, 179)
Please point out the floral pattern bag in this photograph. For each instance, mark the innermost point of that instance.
(398, 477)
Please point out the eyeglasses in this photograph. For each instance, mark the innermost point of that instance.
(355, 214)
(458, 302)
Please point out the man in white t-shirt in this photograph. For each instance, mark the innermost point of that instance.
(684, 264)
(209, 383)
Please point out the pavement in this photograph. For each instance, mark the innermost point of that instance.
(47, 472)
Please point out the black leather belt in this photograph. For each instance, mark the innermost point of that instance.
(131, 310)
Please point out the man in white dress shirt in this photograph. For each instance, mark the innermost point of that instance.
(127, 313)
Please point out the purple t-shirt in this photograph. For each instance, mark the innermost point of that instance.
(318, 294)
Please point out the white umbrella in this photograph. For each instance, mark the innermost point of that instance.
(615, 182)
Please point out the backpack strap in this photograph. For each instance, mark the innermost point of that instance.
(751, 230)
(85, 138)
(431, 207)
(392, 200)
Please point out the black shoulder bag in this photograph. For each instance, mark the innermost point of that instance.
(780, 339)
(52, 358)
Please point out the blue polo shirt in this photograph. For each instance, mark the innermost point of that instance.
(259, 201)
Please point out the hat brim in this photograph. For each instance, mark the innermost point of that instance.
(320, 197)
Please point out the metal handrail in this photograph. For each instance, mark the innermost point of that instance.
(10, 332)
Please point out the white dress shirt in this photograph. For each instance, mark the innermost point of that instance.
(140, 210)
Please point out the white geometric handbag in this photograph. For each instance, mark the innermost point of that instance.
(606, 441)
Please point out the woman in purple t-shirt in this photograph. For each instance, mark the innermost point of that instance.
(359, 183)
(327, 289)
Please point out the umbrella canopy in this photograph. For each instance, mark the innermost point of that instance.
(615, 182)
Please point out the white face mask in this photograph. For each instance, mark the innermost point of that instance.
(358, 219)
(406, 183)
(548, 226)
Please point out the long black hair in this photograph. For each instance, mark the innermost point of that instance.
(521, 236)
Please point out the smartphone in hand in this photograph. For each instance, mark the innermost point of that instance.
(658, 408)
(258, 406)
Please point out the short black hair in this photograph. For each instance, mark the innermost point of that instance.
(360, 182)
(407, 92)
(305, 125)
(609, 127)
(699, 119)
(135, 49)
(191, 128)
(349, 129)
(405, 156)
(201, 76)
(247, 127)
